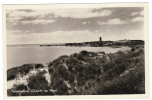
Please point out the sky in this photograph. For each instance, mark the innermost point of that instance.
(69, 25)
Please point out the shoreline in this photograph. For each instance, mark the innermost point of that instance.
(90, 44)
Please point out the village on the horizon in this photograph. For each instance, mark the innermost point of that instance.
(100, 43)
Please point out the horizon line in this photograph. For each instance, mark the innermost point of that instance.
(68, 42)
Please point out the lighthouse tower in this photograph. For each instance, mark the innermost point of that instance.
(100, 39)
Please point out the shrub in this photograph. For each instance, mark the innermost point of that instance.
(81, 79)
(74, 55)
(71, 61)
(127, 84)
(38, 66)
(38, 81)
(83, 55)
(57, 62)
(60, 87)
(133, 49)
(10, 93)
(63, 72)
(102, 52)
(11, 73)
(21, 87)
(136, 60)
(138, 52)
(50, 70)
(84, 52)
(107, 66)
(18, 88)
(24, 69)
(71, 78)
(79, 68)
(11, 76)
(80, 57)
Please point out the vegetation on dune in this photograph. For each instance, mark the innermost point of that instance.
(11, 73)
(118, 73)
(22, 70)
(89, 73)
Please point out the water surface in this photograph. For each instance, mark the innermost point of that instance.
(20, 55)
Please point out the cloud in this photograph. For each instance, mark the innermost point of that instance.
(134, 13)
(134, 35)
(50, 15)
(137, 13)
(84, 23)
(29, 17)
(18, 20)
(96, 31)
(118, 21)
(115, 21)
(81, 13)
(13, 31)
(38, 21)
(13, 19)
(18, 13)
(137, 19)
(52, 37)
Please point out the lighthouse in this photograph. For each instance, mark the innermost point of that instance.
(100, 39)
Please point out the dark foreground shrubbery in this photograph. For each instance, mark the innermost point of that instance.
(89, 73)
(11, 73)
(37, 84)
(130, 83)
(22, 70)
(15, 90)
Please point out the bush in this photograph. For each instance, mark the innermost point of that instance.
(10, 93)
(50, 70)
(74, 55)
(20, 87)
(58, 61)
(84, 52)
(24, 69)
(71, 78)
(133, 49)
(38, 66)
(137, 52)
(71, 61)
(11, 73)
(38, 81)
(127, 84)
(60, 87)
(102, 52)
(11, 76)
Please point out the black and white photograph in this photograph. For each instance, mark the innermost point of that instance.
(75, 49)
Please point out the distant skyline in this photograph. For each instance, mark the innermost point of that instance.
(64, 25)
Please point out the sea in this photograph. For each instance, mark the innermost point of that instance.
(18, 55)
